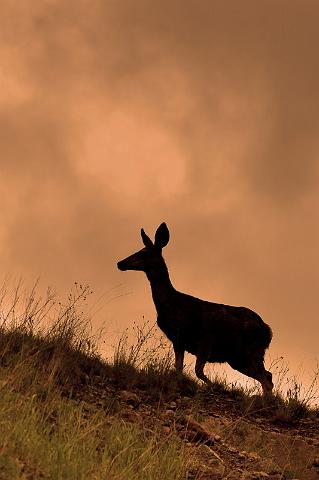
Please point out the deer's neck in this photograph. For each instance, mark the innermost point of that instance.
(161, 286)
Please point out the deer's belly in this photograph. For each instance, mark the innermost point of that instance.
(193, 342)
(175, 333)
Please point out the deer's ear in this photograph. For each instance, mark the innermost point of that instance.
(161, 236)
(146, 240)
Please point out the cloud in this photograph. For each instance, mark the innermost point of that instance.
(118, 115)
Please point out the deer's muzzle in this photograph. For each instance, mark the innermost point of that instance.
(121, 266)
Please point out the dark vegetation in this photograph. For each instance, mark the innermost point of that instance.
(67, 413)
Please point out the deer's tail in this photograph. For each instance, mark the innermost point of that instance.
(266, 336)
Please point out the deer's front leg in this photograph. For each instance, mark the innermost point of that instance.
(179, 358)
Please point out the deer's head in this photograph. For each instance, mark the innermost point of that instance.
(150, 257)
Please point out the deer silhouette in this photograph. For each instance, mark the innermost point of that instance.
(213, 332)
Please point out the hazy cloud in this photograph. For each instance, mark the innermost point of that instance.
(117, 115)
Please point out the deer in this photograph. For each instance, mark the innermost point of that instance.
(212, 332)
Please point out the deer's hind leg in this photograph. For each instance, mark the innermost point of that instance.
(199, 369)
(255, 369)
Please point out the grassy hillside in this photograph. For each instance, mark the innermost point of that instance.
(65, 413)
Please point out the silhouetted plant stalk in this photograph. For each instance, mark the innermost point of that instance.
(146, 347)
(298, 396)
(26, 312)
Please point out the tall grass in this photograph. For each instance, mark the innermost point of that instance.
(47, 349)
(60, 440)
(44, 439)
(48, 352)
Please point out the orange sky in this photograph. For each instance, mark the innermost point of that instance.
(117, 115)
